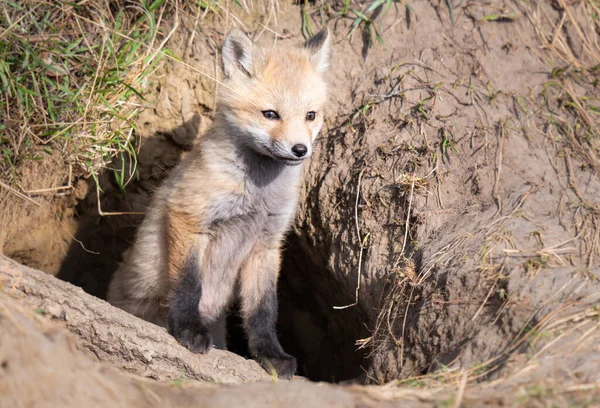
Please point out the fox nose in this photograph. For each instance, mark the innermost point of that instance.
(299, 150)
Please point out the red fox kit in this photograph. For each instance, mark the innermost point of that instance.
(215, 227)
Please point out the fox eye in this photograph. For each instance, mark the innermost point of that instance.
(311, 116)
(270, 114)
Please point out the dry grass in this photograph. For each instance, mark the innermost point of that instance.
(571, 98)
(568, 329)
(69, 79)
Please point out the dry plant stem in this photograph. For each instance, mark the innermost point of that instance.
(412, 290)
(407, 225)
(78, 241)
(132, 174)
(544, 251)
(217, 66)
(439, 183)
(19, 194)
(487, 296)
(191, 39)
(498, 169)
(572, 184)
(100, 66)
(389, 316)
(362, 244)
(105, 214)
(460, 393)
(264, 26)
(504, 218)
(48, 190)
(166, 39)
(558, 30)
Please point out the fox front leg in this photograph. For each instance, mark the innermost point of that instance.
(185, 250)
(185, 322)
(204, 289)
(258, 284)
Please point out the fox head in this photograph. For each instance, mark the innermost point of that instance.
(274, 97)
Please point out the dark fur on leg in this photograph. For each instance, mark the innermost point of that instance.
(262, 338)
(185, 322)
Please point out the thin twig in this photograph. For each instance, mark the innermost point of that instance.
(407, 225)
(461, 390)
(104, 214)
(362, 244)
(47, 190)
(498, 169)
(19, 194)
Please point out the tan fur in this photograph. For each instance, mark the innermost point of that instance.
(181, 236)
(222, 213)
(259, 272)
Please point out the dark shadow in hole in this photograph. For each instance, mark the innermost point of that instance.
(100, 241)
(320, 338)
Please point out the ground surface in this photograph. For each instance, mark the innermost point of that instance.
(456, 180)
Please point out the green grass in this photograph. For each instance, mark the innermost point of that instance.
(67, 75)
(370, 19)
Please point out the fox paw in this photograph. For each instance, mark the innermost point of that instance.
(196, 342)
(283, 365)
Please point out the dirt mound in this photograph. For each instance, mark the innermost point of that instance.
(449, 226)
(43, 365)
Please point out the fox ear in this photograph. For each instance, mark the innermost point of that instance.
(319, 47)
(237, 53)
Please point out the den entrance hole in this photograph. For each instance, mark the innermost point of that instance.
(322, 339)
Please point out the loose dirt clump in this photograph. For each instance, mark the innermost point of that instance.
(448, 231)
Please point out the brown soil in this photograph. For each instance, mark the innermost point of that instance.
(435, 136)
(41, 364)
